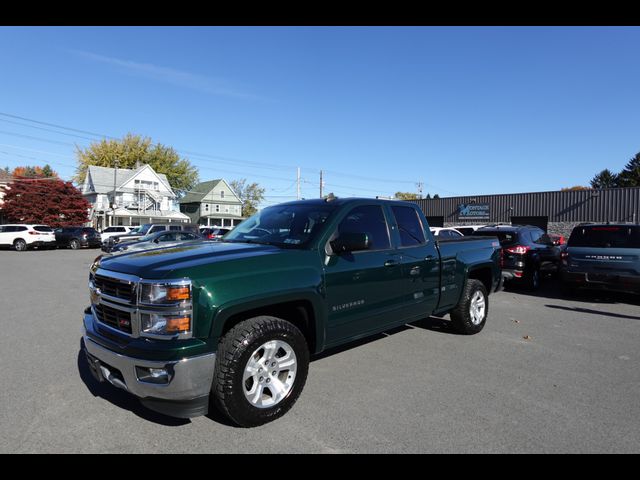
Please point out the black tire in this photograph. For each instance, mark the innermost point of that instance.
(235, 350)
(461, 317)
(20, 245)
(74, 244)
(533, 279)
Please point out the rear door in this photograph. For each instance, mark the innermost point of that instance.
(362, 288)
(420, 285)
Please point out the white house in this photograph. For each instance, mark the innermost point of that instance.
(129, 197)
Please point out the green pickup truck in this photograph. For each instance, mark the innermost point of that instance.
(234, 323)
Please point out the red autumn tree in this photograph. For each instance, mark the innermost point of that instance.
(50, 202)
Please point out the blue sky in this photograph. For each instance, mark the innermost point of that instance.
(465, 110)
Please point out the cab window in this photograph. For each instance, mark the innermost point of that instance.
(409, 226)
(367, 219)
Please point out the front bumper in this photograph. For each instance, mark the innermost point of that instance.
(184, 395)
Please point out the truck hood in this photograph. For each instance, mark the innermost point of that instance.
(159, 263)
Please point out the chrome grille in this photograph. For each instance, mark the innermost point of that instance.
(115, 288)
(118, 319)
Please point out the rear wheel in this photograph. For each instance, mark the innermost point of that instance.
(74, 244)
(20, 245)
(533, 281)
(470, 315)
(261, 369)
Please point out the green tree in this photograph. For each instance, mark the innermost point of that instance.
(630, 175)
(134, 149)
(436, 196)
(407, 196)
(605, 179)
(251, 195)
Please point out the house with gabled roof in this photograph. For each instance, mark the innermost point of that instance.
(213, 203)
(130, 197)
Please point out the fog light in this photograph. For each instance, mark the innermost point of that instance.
(160, 376)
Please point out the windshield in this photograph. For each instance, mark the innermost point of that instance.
(282, 225)
(605, 236)
(142, 229)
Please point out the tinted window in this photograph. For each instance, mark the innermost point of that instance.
(157, 228)
(605, 236)
(367, 219)
(20, 229)
(42, 228)
(175, 227)
(466, 231)
(409, 226)
(168, 237)
(506, 238)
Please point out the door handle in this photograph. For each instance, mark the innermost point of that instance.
(429, 258)
(390, 263)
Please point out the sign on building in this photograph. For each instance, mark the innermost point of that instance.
(473, 211)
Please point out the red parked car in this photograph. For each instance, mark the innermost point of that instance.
(213, 233)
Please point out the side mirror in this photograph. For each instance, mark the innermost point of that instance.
(351, 242)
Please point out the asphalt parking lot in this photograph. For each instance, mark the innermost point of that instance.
(546, 375)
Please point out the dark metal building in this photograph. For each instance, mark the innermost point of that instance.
(555, 212)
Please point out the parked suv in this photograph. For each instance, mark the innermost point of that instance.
(602, 256)
(22, 237)
(76, 237)
(113, 231)
(147, 229)
(528, 252)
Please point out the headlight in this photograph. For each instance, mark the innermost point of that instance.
(160, 324)
(158, 294)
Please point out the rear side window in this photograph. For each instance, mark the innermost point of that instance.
(175, 227)
(409, 226)
(20, 229)
(42, 228)
(605, 236)
(507, 239)
(367, 219)
(157, 228)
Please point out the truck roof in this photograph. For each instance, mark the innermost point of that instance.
(340, 201)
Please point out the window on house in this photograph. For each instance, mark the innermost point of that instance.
(217, 208)
(221, 193)
(206, 207)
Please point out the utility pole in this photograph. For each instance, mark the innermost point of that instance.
(298, 182)
(115, 186)
(420, 185)
(321, 183)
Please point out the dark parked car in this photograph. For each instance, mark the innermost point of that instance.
(528, 253)
(605, 256)
(156, 240)
(213, 233)
(76, 237)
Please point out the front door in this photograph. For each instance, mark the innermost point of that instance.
(363, 287)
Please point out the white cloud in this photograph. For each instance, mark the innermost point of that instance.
(212, 86)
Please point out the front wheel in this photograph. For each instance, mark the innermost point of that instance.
(470, 314)
(20, 245)
(261, 369)
(74, 244)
